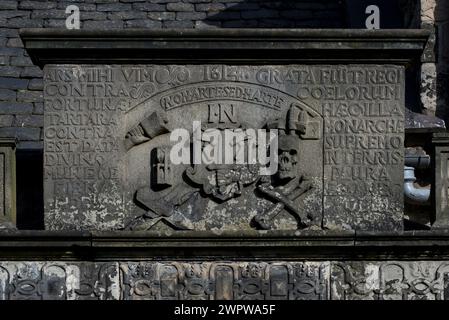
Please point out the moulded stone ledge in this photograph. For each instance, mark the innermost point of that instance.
(247, 46)
(320, 246)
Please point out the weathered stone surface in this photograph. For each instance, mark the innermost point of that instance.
(59, 281)
(31, 72)
(6, 120)
(341, 138)
(29, 121)
(440, 143)
(428, 11)
(7, 183)
(106, 24)
(7, 94)
(13, 83)
(21, 61)
(421, 122)
(139, 23)
(210, 6)
(20, 133)
(37, 5)
(129, 280)
(224, 281)
(15, 107)
(164, 281)
(7, 4)
(428, 90)
(363, 178)
(179, 6)
(114, 7)
(389, 280)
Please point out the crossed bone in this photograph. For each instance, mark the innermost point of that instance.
(283, 201)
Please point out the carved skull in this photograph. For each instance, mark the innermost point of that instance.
(288, 157)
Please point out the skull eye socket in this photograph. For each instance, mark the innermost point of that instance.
(293, 152)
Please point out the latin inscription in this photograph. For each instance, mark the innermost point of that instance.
(363, 147)
(100, 122)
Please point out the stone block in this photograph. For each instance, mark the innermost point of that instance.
(6, 120)
(339, 126)
(29, 121)
(107, 24)
(143, 23)
(428, 88)
(161, 16)
(7, 94)
(4, 60)
(7, 183)
(8, 71)
(42, 5)
(180, 6)
(177, 24)
(13, 83)
(97, 15)
(7, 107)
(20, 133)
(440, 156)
(114, 7)
(213, 6)
(126, 15)
(151, 7)
(8, 5)
(389, 280)
(347, 177)
(225, 281)
(38, 108)
(14, 42)
(36, 84)
(31, 72)
(21, 61)
(190, 15)
(29, 96)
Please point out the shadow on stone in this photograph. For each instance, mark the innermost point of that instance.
(279, 14)
(30, 205)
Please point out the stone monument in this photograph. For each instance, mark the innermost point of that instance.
(7, 183)
(340, 122)
(139, 203)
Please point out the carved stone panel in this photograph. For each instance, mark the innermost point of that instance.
(389, 280)
(110, 136)
(59, 281)
(223, 280)
(363, 110)
(440, 193)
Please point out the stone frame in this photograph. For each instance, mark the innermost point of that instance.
(235, 47)
(440, 189)
(8, 182)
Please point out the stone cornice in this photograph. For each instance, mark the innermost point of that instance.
(239, 46)
(186, 245)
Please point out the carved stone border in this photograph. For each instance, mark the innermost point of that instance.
(224, 280)
(440, 188)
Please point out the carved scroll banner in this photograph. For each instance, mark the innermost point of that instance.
(108, 162)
